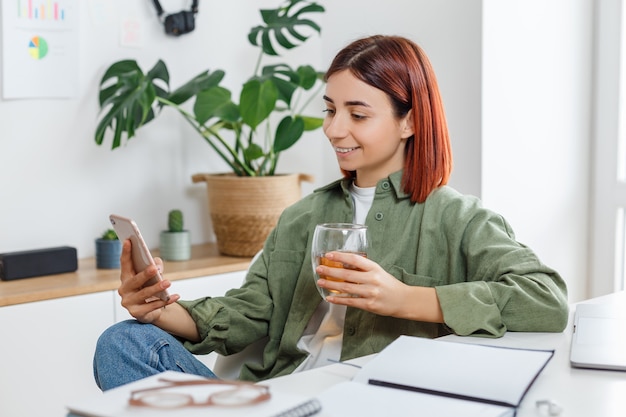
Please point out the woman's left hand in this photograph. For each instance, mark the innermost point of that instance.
(375, 290)
(372, 288)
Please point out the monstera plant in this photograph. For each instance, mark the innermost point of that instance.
(248, 134)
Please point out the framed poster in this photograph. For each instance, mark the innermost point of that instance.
(40, 48)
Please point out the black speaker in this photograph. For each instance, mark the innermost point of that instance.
(34, 263)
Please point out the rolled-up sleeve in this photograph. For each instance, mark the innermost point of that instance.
(507, 287)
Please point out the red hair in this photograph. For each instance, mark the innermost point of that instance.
(402, 70)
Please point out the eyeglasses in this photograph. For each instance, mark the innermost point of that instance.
(239, 394)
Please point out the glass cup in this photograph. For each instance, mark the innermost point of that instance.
(336, 237)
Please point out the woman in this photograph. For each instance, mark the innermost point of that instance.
(438, 263)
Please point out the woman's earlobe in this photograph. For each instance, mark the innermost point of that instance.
(408, 129)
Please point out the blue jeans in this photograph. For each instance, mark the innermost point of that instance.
(130, 350)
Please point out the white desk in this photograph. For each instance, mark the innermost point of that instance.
(580, 392)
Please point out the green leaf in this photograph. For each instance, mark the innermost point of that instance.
(127, 104)
(284, 78)
(288, 132)
(253, 152)
(283, 41)
(308, 76)
(285, 90)
(266, 44)
(203, 81)
(215, 102)
(254, 34)
(282, 71)
(108, 93)
(257, 101)
(106, 122)
(117, 136)
(119, 68)
(159, 72)
(144, 103)
(282, 21)
(312, 123)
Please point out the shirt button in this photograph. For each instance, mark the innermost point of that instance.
(385, 185)
(379, 216)
(351, 331)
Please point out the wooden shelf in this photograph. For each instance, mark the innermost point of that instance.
(205, 260)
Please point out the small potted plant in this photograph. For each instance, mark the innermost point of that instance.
(175, 243)
(108, 250)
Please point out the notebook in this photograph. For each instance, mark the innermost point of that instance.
(114, 403)
(434, 378)
(599, 337)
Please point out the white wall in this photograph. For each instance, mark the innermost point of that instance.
(606, 197)
(537, 60)
(57, 186)
(513, 76)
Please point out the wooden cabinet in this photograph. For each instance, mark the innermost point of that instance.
(49, 327)
(46, 352)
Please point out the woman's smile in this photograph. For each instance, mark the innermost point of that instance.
(343, 151)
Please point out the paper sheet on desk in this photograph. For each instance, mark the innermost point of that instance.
(114, 403)
(363, 400)
(482, 372)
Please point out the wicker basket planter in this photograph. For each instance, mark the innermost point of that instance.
(244, 210)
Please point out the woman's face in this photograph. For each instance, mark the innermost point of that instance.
(363, 130)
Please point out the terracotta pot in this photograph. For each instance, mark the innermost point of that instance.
(244, 210)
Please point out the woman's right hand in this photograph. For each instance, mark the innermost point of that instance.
(133, 292)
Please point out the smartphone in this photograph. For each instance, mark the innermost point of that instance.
(127, 229)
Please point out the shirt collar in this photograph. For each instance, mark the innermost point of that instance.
(395, 180)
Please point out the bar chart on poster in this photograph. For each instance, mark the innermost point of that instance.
(40, 10)
(39, 48)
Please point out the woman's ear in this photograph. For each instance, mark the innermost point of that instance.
(407, 126)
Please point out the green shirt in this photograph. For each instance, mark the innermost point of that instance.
(486, 282)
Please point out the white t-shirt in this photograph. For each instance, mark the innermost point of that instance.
(323, 335)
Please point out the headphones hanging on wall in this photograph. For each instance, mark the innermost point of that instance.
(177, 24)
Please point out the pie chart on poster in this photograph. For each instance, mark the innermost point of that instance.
(38, 47)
